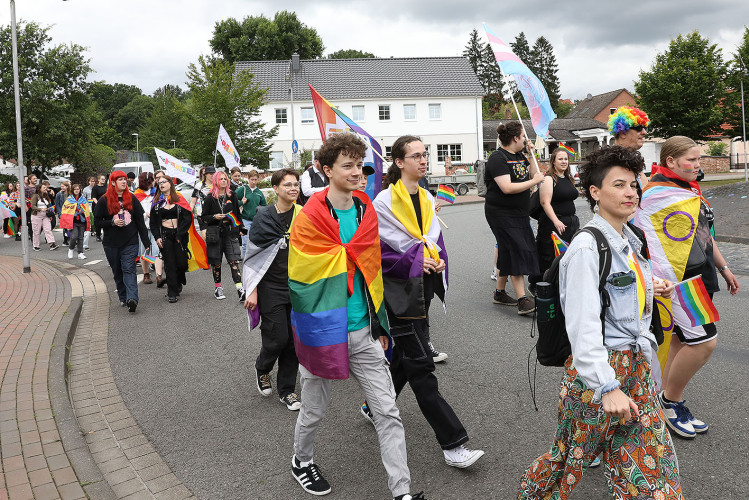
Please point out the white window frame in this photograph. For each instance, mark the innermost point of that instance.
(405, 117)
(285, 116)
(309, 120)
(454, 151)
(353, 113)
(438, 107)
(276, 157)
(380, 109)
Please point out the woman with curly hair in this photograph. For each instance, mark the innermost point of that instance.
(607, 400)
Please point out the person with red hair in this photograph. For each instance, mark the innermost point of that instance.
(121, 218)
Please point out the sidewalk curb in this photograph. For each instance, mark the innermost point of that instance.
(90, 477)
(732, 239)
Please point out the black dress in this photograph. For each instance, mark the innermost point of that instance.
(563, 203)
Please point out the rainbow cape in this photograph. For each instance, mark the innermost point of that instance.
(321, 276)
(197, 258)
(68, 212)
(404, 247)
(696, 301)
(560, 246)
(446, 193)
(668, 215)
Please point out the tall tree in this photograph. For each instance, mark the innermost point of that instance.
(684, 88)
(474, 51)
(118, 124)
(733, 82)
(218, 96)
(166, 120)
(350, 54)
(57, 115)
(481, 58)
(257, 38)
(132, 119)
(546, 69)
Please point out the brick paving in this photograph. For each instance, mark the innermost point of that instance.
(35, 462)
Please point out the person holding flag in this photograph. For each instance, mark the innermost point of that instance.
(75, 216)
(678, 223)
(170, 220)
(144, 194)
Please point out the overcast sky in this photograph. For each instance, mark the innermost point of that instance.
(599, 45)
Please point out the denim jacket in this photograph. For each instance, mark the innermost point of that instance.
(581, 304)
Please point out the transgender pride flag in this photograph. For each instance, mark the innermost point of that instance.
(533, 91)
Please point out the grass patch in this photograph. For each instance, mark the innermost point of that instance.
(722, 182)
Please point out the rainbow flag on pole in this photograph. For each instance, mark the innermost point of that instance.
(148, 258)
(567, 148)
(446, 193)
(333, 121)
(696, 302)
(560, 246)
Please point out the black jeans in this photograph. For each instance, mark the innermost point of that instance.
(169, 252)
(278, 342)
(76, 236)
(413, 363)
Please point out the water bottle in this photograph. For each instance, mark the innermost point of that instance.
(547, 305)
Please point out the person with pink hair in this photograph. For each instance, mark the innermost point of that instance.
(223, 222)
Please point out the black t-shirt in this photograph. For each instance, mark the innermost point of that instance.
(98, 191)
(502, 162)
(277, 275)
(703, 238)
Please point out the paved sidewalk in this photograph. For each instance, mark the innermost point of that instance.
(34, 463)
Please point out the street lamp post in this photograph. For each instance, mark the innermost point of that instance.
(19, 140)
(137, 149)
(174, 143)
(743, 116)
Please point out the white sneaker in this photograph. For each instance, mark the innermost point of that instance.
(240, 292)
(494, 275)
(81, 256)
(461, 457)
(6, 236)
(70, 253)
(219, 293)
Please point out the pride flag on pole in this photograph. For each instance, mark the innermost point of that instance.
(529, 85)
(332, 121)
(560, 246)
(175, 167)
(446, 193)
(569, 150)
(696, 302)
(227, 149)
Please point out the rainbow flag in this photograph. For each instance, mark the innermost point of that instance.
(446, 193)
(11, 230)
(567, 148)
(696, 302)
(197, 257)
(321, 278)
(560, 246)
(233, 219)
(148, 258)
(333, 121)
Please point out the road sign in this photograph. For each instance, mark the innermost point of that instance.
(294, 146)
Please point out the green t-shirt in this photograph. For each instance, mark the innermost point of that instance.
(358, 313)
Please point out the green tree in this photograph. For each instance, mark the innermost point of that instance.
(350, 54)
(166, 120)
(257, 38)
(115, 130)
(218, 96)
(95, 158)
(474, 51)
(717, 148)
(733, 83)
(521, 48)
(546, 69)
(132, 119)
(684, 88)
(491, 75)
(481, 58)
(564, 106)
(57, 115)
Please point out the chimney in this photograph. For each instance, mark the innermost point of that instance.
(295, 63)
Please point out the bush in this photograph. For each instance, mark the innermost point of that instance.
(717, 148)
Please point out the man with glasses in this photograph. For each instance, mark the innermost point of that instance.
(629, 126)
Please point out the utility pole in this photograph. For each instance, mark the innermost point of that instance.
(19, 140)
(743, 116)
(294, 68)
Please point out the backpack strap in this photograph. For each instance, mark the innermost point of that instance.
(604, 268)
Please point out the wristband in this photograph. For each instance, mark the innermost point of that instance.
(721, 269)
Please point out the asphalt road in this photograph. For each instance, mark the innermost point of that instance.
(186, 373)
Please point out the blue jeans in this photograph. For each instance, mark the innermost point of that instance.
(122, 262)
(245, 237)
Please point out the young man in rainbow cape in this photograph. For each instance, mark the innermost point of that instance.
(414, 268)
(338, 313)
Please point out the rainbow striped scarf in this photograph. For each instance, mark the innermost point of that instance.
(321, 275)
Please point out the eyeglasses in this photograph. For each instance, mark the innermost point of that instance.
(289, 185)
(163, 182)
(418, 156)
(640, 128)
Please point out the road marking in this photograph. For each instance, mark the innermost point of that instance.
(92, 262)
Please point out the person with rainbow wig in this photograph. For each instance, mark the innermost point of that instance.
(629, 126)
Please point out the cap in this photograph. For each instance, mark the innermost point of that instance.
(210, 169)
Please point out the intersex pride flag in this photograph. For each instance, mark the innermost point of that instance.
(175, 167)
(227, 149)
(333, 121)
(533, 91)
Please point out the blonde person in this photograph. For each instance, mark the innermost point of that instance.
(42, 211)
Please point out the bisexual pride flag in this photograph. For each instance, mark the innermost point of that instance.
(529, 85)
(333, 121)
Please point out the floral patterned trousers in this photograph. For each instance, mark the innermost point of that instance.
(638, 456)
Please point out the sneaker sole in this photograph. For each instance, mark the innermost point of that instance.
(261, 391)
(526, 313)
(505, 303)
(439, 359)
(679, 432)
(365, 415)
(292, 407)
(467, 463)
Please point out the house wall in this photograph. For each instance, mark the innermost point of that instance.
(623, 99)
(714, 164)
(459, 123)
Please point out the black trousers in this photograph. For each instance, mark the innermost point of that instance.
(76, 236)
(175, 277)
(277, 341)
(413, 363)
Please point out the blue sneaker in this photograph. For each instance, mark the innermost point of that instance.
(699, 426)
(677, 418)
(595, 463)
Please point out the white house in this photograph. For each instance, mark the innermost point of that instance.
(436, 98)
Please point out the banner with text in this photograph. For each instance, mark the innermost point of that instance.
(227, 149)
(175, 167)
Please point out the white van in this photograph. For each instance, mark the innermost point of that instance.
(135, 167)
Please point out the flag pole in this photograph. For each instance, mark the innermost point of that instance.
(533, 156)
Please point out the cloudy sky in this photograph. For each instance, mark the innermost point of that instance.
(600, 46)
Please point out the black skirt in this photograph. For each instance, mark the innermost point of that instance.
(516, 246)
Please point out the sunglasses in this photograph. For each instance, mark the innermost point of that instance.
(639, 128)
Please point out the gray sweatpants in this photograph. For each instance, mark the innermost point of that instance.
(368, 366)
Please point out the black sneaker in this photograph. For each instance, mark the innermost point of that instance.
(53, 246)
(309, 477)
(291, 401)
(501, 297)
(526, 306)
(131, 305)
(98, 238)
(172, 300)
(263, 383)
(437, 356)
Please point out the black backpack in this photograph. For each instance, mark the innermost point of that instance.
(553, 345)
